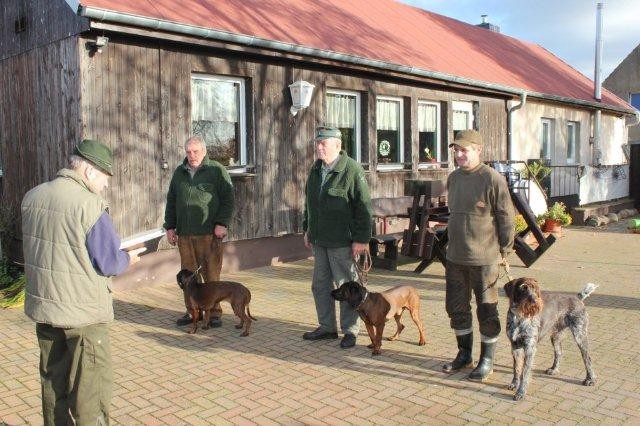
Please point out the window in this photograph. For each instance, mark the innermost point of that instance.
(634, 100)
(546, 139)
(429, 133)
(462, 116)
(343, 112)
(389, 132)
(573, 135)
(218, 116)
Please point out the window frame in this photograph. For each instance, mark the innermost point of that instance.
(425, 165)
(242, 115)
(573, 127)
(358, 124)
(400, 164)
(463, 106)
(548, 121)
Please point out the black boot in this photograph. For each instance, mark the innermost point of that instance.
(485, 365)
(464, 358)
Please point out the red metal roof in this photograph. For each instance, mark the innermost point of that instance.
(382, 30)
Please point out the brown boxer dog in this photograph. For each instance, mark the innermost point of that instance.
(376, 309)
(203, 297)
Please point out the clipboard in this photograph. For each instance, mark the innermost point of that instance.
(148, 239)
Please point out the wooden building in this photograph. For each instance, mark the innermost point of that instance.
(144, 76)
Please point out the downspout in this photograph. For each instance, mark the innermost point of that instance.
(597, 90)
(512, 109)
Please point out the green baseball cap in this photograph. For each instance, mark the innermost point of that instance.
(327, 132)
(97, 154)
(466, 138)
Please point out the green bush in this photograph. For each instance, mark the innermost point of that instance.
(12, 282)
(536, 170)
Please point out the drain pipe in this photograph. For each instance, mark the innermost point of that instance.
(511, 110)
(597, 90)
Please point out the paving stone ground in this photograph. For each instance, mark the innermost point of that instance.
(164, 376)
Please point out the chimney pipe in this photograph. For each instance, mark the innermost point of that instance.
(598, 72)
(596, 151)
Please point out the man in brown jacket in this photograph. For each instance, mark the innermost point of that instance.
(481, 232)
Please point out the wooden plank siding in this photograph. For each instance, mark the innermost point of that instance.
(136, 96)
(47, 21)
(39, 115)
(121, 106)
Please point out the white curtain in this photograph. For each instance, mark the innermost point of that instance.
(387, 114)
(214, 100)
(460, 120)
(341, 110)
(427, 118)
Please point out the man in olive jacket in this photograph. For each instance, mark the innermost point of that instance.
(481, 232)
(200, 202)
(71, 250)
(337, 227)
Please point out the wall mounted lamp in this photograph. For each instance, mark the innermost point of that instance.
(301, 92)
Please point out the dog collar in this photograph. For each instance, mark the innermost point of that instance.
(366, 294)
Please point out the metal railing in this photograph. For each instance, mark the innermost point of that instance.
(563, 181)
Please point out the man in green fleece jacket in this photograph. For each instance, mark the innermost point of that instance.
(481, 232)
(337, 227)
(200, 202)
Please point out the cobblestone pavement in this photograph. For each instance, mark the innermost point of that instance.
(165, 376)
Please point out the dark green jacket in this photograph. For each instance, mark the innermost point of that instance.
(196, 205)
(340, 213)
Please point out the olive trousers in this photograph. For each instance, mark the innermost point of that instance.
(76, 374)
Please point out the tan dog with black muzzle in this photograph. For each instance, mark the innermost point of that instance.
(375, 309)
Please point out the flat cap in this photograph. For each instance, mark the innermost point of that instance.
(97, 154)
(324, 132)
(465, 138)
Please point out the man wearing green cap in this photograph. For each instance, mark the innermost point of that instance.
(481, 232)
(71, 250)
(199, 206)
(337, 227)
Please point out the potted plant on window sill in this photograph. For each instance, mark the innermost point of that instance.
(555, 218)
(429, 156)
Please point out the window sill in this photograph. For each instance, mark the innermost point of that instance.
(242, 175)
(432, 166)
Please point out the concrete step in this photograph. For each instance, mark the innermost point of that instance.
(581, 213)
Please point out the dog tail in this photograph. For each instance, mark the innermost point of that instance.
(587, 290)
(249, 313)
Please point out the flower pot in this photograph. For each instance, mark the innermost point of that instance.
(551, 225)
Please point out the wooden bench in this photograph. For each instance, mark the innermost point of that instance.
(384, 208)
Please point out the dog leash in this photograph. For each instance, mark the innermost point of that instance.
(507, 269)
(363, 270)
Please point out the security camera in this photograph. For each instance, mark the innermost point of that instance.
(101, 41)
(96, 46)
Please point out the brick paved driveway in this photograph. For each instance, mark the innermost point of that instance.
(165, 376)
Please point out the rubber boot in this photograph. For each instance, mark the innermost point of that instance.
(485, 365)
(464, 358)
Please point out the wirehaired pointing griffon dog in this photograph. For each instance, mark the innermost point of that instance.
(376, 309)
(203, 297)
(532, 315)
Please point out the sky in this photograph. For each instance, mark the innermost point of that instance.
(567, 28)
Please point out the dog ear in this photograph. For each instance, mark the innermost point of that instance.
(508, 288)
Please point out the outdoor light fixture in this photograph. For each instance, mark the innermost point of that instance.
(301, 92)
